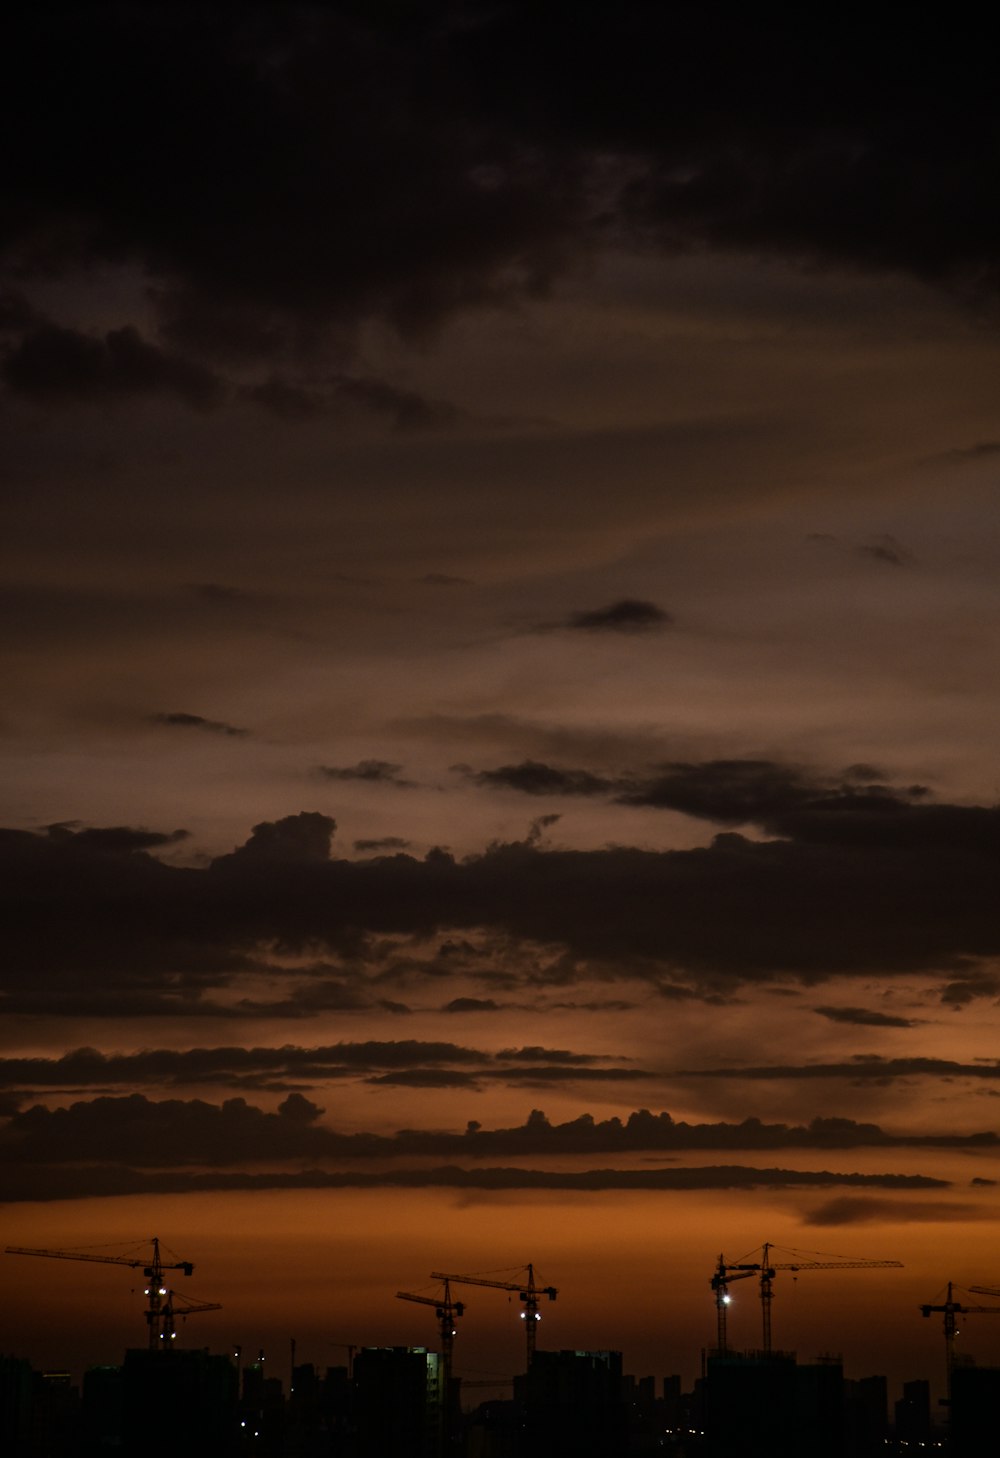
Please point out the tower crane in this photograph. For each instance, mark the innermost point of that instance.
(767, 1269)
(180, 1306)
(447, 1312)
(951, 1308)
(528, 1291)
(160, 1310)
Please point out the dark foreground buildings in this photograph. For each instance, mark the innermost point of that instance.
(571, 1404)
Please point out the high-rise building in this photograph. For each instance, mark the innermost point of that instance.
(974, 1414)
(765, 1405)
(574, 1405)
(397, 1402)
(177, 1402)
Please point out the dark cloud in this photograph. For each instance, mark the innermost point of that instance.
(335, 164)
(541, 1074)
(538, 827)
(967, 989)
(221, 592)
(52, 1153)
(863, 1017)
(172, 1132)
(533, 778)
(427, 1078)
(296, 839)
(870, 1066)
(198, 1065)
(982, 450)
(47, 1182)
(627, 615)
(56, 364)
(385, 843)
(196, 721)
(114, 838)
(786, 800)
(370, 771)
(729, 792)
(471, 1004)
(872, 884)
(809, 808)
(118, 1144)
(863, 1210)
(534, 1053)
(406, 1061)
(886, 549)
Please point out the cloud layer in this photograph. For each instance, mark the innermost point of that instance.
(46, 1151)
(871, 881)
(330, 166)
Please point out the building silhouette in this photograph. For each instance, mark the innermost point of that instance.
(398, 1398)
(765, 1405)
(974, 1412)
(574, 1404)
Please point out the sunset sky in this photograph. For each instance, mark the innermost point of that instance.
(500, 564)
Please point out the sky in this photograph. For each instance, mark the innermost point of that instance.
(500, 672)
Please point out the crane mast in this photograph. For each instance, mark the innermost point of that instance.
(160, 1310)
(720, 1285)
(951, 1308)
(528, 1291)
(447, 1312)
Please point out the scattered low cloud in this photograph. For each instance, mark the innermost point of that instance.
(870, 1066)
(370, 771)
(427, 1078)
(196, 721)
(864, 1017)
(981, 450)
(221, 593)
(887, 549)
(384, 843)
(626, 615)
(969, 988)
(864, 1210)
(530, 777)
